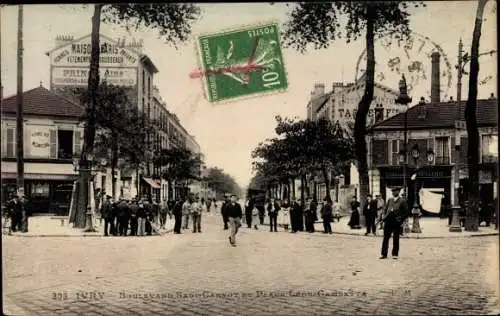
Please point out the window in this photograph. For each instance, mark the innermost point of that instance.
(442, 154)
(65, 144)
(395, 151)
(143, 83)
(489, 148)
(11, 143)
(40, 190)
(149, 86)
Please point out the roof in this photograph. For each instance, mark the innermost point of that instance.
(440, 115)
(42, 102)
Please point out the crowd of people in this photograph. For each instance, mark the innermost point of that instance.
(17, 210)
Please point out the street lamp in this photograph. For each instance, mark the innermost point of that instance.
(415, 154)
(404, 99)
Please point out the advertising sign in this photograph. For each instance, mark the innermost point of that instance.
(39, 141)
(79, 76)
(77, 53)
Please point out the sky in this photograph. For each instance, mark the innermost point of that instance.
(227, 133)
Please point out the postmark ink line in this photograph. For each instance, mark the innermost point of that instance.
(245, 75)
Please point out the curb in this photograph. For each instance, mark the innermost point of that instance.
(405, 237)
(84, 235)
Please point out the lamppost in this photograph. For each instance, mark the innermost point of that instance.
(404, 99)
(89, 220)
(415, 154)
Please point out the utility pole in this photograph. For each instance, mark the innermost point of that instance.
(19, 98)
(455, 220)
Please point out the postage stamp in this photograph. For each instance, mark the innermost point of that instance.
(243, 62)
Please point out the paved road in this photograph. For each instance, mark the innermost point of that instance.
(267, 274)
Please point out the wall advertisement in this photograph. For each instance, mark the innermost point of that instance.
(79, 76)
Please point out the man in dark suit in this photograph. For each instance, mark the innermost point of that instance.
(225, 218)
(108, 216)
(370, 214)
(177, 211)
(273, 209)
(396, 211)
(234, 214)
(327, 215)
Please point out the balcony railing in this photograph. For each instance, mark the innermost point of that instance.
(442, 160)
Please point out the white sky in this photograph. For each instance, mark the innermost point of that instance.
(228, 133)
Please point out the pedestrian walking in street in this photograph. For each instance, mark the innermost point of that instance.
(255, 216)
(141, 218)
(234, 213)
(370, 214)
(284, 216)
(224, 211)
(395, 213)
(273, 210)
(327, 215)
(196, 211)
(177, 211)
(107, 214)
(134, 210)
(354, 220)
(380, 210)
(186, 212)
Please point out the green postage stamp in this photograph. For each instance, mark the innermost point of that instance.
(243, 62)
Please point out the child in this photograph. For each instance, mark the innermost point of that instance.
(255, 216)
(285, 219)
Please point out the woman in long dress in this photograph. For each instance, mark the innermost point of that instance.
(354, 221)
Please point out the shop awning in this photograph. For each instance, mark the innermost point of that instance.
(153, 183)
(39, 176)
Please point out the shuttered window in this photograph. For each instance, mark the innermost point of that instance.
(11, 143)
(53, 144)
(77, 142)
(380, 152)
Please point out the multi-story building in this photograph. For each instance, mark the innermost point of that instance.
(431, 127)
(52, 134)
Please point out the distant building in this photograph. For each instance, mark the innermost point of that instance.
(431, 127)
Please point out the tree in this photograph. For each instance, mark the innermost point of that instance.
(472, 212)
(221, 182)
(178, 164)
(172, 21)
(318, 24)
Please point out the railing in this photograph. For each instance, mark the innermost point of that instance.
(442, 160)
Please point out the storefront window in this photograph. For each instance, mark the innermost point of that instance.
(40, 190)
(489, 148)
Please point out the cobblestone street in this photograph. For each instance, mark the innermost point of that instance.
(266, 274)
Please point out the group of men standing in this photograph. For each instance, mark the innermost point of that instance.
(18, 210)
(136, 215)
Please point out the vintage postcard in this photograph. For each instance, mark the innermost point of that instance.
(250, 158)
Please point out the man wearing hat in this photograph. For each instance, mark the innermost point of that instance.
(234, 214)
(395, 213)
(107, 214)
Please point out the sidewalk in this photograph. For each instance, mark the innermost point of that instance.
(45, 226)
(431, 227)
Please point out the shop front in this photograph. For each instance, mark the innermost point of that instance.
(428, 177)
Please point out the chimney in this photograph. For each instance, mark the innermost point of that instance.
(435, 78)
(319, 90)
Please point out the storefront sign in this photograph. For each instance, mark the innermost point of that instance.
(79, 76)
(422, 173)
(78, 54)
(39, 141)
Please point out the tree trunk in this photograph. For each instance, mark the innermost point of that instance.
(89, 130)
(362, 113)
(472, 212)
(327, 183)
(114, 164)
(293, 188)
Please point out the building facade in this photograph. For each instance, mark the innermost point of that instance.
(430, 127)
(52, 134)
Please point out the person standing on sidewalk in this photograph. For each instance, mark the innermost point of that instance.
(285, 215)
(234, 214)
(107, 214)
(354, 220)
(163, 214)
(380, 210)
(296, 214)
(123, 216)
(273, 209)
(396, 212)
(370, 214)
(248, 212)
(327, 214)
(141, 218)
(255, 216)
(196, 210)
